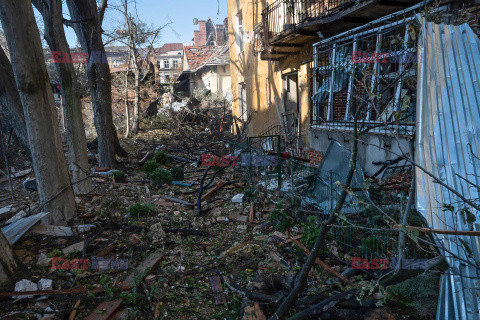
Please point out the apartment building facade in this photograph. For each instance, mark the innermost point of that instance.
(273, 66)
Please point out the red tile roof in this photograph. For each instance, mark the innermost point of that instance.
(169, 47)
(197, 56)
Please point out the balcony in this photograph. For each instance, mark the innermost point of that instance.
(288, 24)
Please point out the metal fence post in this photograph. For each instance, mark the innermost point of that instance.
(331, 190)
(279, 162)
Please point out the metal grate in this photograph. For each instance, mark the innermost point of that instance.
(374, 70)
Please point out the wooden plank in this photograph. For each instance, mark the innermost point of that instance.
(318, 261)
(218, 295)
(251, 216)
(145, 268)
(61, 231)
(51, 292)
(219, 185)
(177, 201)
(121, 315)
(105, 310)
(74, 312)
(49, 230)
(13, 232)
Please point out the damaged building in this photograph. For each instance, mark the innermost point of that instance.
(405, 74)
(206, 67)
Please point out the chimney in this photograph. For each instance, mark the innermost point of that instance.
(200, 36)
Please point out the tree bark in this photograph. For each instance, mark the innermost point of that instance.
(127, 111)
(136, 103)
(53, 181)
(9, 264)
(88, 29)
(10, 104)
(51, 11)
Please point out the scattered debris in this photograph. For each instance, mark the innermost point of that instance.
(238, 198)
(45, 284)
(216, 285)
(25, 285)
(14, 231)
(74, 247)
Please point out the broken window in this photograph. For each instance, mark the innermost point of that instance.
(372, 72)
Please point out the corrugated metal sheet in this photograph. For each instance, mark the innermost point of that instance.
(448, 146)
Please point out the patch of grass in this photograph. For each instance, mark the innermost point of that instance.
(150, 166)
(141, 209)
(161, 158)
(177, 173)
(119, 176)
(160, 176)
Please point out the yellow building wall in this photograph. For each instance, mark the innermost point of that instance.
(247, 67)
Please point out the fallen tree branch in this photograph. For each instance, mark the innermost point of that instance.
(324, 305)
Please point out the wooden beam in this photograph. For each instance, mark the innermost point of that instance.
(105, 310)
(437, 231)
(318, 261)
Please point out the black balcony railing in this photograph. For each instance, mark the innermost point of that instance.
(284, 15)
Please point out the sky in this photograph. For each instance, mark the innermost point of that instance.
(159, 12)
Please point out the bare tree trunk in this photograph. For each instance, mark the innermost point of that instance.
(88, 29)
(53, 181)
(127, 111)
(8, 263)
(136, 103)
(51, 11)
(10, 104)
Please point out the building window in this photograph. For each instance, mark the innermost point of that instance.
(373, 71)
(239, 33)
(175, 64)
(167, 78)
(166, 64)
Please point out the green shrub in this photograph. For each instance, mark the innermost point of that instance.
(280, 216)
(417, 296)
(150, 166)
(177, 173)
(141, 209)
(161, 158)
(119, 176)
(310, 231)
(160, 176)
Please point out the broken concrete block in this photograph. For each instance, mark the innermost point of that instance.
(45, 284)
(43, 260)
(242, 228)
(74, 247)
(242, 219)
(279, 235)
(25, 285)
(238, 198)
